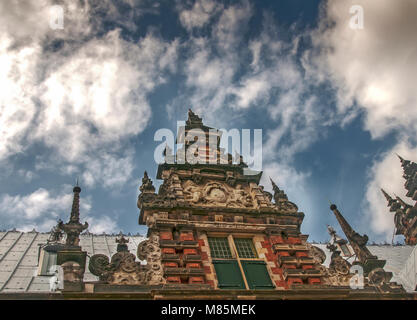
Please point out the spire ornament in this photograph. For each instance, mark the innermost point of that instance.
(147, 190)
(193, 119)
(392, 203)
(404, 218)
(358, 243)
(147, 185)
(73, 227)
(279, 195)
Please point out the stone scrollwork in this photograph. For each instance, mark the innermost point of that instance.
(338, 272)
(123, 267)
(150, 251)
(317, 254)
(339, 266)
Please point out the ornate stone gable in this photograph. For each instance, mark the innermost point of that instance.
(213, 193)
(123, 268)
(405, 218)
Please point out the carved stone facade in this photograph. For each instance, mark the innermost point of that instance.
(199, 202)
(211, 226)
(405, 218)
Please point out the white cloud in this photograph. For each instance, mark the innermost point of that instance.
(82, 98)
(98, 95)
(286, 177)
(42, 208)
(374, 67)
(219, 77)
(110, 170)
(373, 71)
(199, 15)
(39, 209)
(102, 224)
(27, 175)
(386, 173)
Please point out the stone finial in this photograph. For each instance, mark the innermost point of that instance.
(193, 119)
(122, 243)
(279, 195)
(74, 228)
(388, 197)
(147, 185)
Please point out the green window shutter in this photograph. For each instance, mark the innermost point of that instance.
(228, 274)
(257, 275)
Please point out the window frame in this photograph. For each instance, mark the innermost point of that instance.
(47, 259)
(235, 254)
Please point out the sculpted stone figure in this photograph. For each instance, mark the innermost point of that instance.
(192, 192)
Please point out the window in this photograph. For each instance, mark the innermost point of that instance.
(235, 271)
(47, 263)
(219, 248)
(245, 248)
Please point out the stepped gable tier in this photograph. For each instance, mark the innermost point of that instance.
(200, 203)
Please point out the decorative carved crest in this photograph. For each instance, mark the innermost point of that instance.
(123, 267)
(217, 194)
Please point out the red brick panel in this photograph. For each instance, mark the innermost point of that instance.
(190, 251)
(165, 235)
(299, 254)
(294, 280)
(293, 240)
(283, 253)
(173, 280)
(314, 281)
(196, 280)
(171, 264)
(276, 239)
(168, 250)
(186, 237)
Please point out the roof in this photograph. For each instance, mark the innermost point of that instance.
(19, 254)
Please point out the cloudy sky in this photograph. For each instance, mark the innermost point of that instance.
(336, 99)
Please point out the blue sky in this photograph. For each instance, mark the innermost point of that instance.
(335, 103)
